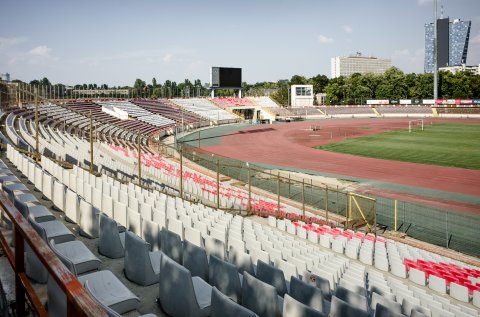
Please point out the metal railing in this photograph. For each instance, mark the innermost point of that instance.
(78, 301)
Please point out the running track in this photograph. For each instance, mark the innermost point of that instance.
(290, 145)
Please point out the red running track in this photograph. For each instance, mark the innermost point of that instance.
(291, 145)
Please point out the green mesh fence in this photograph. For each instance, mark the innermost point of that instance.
(456, 230)
(447, 228)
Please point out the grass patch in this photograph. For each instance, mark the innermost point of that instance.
(445, 144)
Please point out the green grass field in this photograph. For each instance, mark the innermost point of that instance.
(446, 144)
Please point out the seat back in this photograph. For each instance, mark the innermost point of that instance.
(306, 294)
(176, 295)
(259, 297)
(351, 298)
(138, 267)
(223, 305)
(273, 276)
(224, 276)
(171, 245)
(195, 260)
(110, 312)
(386, 304)
(215, 247)
(241, 260)
(383, 311)
(292, 307)
(66, 261)
(39, 229)
(340, 308)
(109, 243)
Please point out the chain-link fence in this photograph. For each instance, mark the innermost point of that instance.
(303, 193)
(447, 228)
(452, 229)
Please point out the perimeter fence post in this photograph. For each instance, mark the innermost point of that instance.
(395, 215)
(326, 203)
(303, 196)
(278, 192)
(218, 184)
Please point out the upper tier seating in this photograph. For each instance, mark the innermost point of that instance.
(206, 109)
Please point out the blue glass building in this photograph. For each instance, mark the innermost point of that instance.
(452, 43)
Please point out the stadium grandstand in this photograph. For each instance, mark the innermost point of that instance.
(99, 218)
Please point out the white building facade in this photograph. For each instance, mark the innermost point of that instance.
(301, 95)
(349, 65)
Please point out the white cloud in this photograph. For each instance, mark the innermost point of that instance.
(40, 51)
(347, 29)
(424, 2)
(167, 58)
(324, 39)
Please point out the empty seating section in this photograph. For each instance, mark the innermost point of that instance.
(356, 272)
(339, 111)
(280, 111)
(305, 111)
(264, 101)
(206, 109)
(391, 111)
(140, 114)
(227, 102)
(455, 112)
(168, 110)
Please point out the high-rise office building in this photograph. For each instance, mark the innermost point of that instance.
(349, 65)
(452, 43)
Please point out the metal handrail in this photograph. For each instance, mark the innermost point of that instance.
(79, 301)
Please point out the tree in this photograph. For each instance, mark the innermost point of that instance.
(319, 82)
(154, 82)
(281, 95)
(298, 80)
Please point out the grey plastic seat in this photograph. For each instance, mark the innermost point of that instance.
(76, 254)
(273, 276)
(322, 283)
(111, 242)
(109, 290)
(28, 204)
(195, 260)
(260, 297)
(241, 260)
(340, 308)
(307, 294)
(215, 247)
(181, 294)
(114, 293)
(171, 245)
(224, 276)
(54, 229)
(14, 186)
(383, 311)
(223, 305)
(386, 304)
(294, 308)
(110, 312)
(141, 265)
(352, 298)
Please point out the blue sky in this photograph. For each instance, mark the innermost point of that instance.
(115, 42)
